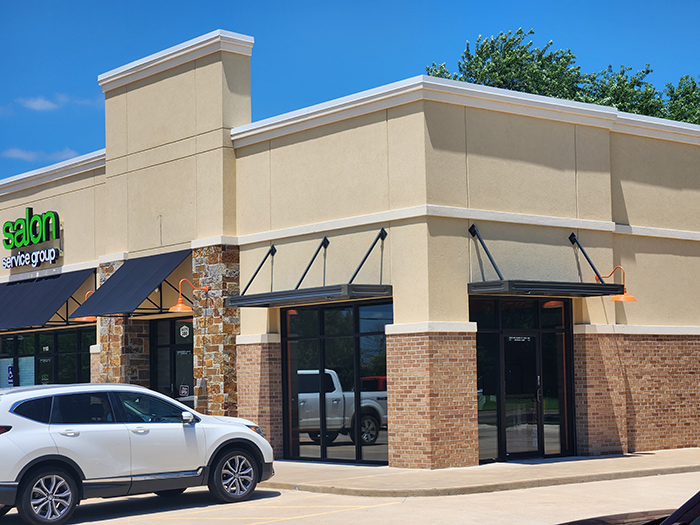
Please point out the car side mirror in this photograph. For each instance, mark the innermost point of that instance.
(187, 418)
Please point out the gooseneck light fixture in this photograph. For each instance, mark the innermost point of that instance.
(181, 306)
(87, 318)
(625, 296)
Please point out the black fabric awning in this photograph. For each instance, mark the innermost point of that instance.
(131, 285)
(544, 288)
(33, 302)
(321, 294)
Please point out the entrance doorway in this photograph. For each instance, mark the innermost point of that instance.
(172, 359)
(524, 377)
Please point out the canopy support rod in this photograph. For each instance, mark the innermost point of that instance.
(271, 252)
(324, 244)
(381, 235)
(475, 233)
(574, 240)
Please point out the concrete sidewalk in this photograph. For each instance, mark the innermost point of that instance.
(361, 480)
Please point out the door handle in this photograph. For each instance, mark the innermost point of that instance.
(336, 401)
(139, 430)
(70, 433)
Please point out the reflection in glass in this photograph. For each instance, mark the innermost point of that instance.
(67, 341)
(340, 399)
(302, 323)
(518, 314)
(163, 371)
(304, 397)
(374, 318)
(67, 368)
(184, 378)
(26, 344)
(45, 370)
(487, 350)
(46, 343)
(26, 371)
(337, 321)
(554, 393)
(521, 394)
(373, 422)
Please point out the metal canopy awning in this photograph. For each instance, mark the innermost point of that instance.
(321, 294)
(34, 302)
(131, 285)
(544, 288)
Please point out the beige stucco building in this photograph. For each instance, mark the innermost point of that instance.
(412, 243)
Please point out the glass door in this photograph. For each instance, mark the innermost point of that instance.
(522, 388)
(172, 359)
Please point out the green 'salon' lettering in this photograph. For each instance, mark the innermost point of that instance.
(31, 229)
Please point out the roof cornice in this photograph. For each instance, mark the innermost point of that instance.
(194, 49)
(423, 87)
(53, 173)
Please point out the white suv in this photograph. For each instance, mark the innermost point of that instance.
(63, 443)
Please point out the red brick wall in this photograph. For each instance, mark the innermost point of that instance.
(636, 392)
(432, 405)
(259, 368)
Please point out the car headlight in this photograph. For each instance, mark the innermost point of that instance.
(256, 429)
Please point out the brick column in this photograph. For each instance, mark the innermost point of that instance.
(124, 352)
(259, 368)
(215, 329)
(432, 402)
(601, 394)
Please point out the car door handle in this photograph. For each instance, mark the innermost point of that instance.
(139, 430)
(70, 433)
(336, 401)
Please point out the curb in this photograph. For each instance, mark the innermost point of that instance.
(477, 489)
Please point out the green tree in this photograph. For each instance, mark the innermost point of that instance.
(684, 100)
(507, 61)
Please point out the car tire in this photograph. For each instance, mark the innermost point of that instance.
(369, 430)
(172, 493)
(47, 497)
(330, 437)
(234, 476)
(4, 509)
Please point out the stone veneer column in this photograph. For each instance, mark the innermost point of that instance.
(124, 352)
(432, 401)
(259, 368)
(215, 329)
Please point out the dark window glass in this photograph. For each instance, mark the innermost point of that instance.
(163, 331)
(45, 370)
(373, 362)
(340, 358)
(308, 383)
(302, 323)
(484, 314)
(552, 314)
(142, 408)
(519, 314)
(183, 331)
(87, 339)
(338, 321)
(35, 409)
(67, 341)
(487, 372)
(67, 368)
(82, 409)
(7, 346)
(84, 368)
(375, 317)
(26, 345)
(46, 343)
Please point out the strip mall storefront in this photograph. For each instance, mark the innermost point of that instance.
(420, 274)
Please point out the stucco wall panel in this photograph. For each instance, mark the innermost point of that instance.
(593, 174)
(406, 155)
(446, 158)
(160, 108)
(659, 274)
(521, 164)
(161, 205)
(448, 270)
(337, 171)
(655, 182)
(252, 185)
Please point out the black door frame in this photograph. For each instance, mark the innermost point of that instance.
(568, 446)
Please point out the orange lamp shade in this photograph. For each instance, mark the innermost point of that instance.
(181, 306)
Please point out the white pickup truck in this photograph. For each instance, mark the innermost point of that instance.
(340, 407)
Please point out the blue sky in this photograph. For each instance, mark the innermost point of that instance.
(306, 52)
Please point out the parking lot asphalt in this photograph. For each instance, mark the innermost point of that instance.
(361, 480)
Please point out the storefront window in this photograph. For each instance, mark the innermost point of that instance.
(57, 356)
(326, 362)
